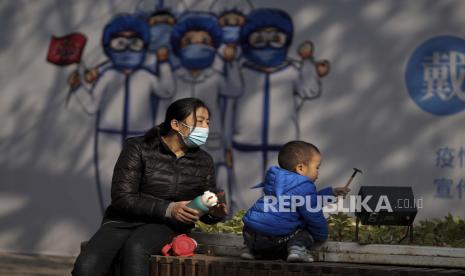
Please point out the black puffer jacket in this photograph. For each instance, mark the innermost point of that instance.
(148, 176)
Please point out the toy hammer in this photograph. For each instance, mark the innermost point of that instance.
(352, 176)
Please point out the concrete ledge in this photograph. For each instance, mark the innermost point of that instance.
(204, 265)
(348, 252)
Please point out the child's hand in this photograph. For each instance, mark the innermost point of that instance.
(341, 191)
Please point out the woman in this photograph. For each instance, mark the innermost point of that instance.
(155, 176)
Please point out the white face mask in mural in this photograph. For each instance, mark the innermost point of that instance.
(231, 34)
(197, 56)
(127, 53)
(160, 36)
(268, 49)
(197, 136)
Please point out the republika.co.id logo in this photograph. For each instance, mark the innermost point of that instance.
(435, 75)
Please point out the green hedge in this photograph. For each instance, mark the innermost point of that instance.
(449, 231)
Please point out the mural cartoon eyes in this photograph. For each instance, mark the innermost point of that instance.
(273, 38)
(161, 19)
(231, 19)
(196, 37)
(123, 43)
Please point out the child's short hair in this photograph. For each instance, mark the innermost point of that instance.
(296, 152)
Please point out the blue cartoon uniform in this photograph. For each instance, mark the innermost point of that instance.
(195, 39)
(120, 98)
(267, 114)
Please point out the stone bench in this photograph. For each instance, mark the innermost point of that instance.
(349, 252)
(204, 265)
(218, 255)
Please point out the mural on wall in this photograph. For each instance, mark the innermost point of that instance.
(231, 17)
(234, 57)
(435, 75)
(447, 159)
(120, 97)
(275, 86)
(195, 40)
(67, 50)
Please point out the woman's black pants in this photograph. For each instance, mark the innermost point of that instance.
(133, 243)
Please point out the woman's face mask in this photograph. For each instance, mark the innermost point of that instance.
(197, 136)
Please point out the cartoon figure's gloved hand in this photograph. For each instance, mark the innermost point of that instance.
(162, 54)
(74, 80)
(91, 75)
(229, 52)
(229, 158)
(322, 68)
(306, 51)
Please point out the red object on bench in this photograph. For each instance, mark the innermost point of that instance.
(181, 245)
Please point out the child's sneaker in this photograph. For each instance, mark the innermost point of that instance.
(298, 254)
(247, 255)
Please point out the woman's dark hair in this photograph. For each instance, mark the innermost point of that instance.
(180, 110)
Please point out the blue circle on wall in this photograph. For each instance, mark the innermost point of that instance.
(435, 75)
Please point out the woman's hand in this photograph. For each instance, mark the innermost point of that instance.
(218, 211)
(182, 213)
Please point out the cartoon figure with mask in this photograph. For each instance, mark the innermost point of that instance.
(120, 98)
(195, 39)
(160, 18)
(161, 24)
(231, 17)
(266, 115)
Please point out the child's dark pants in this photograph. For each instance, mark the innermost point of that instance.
(273, 247)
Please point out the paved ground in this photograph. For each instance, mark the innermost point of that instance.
(34, 265)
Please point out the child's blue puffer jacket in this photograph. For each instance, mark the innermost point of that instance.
(280, 182)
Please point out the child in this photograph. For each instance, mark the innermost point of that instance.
(269, 231)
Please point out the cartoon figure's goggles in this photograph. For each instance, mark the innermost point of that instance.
(273, 38)
(123, 43)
